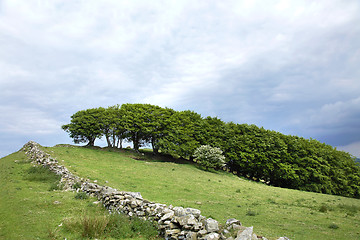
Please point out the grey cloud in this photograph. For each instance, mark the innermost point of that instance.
(291, 67)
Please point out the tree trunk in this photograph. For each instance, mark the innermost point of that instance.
(154, 147)
(135, 141)
(91, 142)
(108, 140)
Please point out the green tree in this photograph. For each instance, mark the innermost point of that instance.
(185, 134)
(112, 126)
(145, 123)
(85, 126)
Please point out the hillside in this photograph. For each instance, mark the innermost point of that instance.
(272, 211)
(31, 207)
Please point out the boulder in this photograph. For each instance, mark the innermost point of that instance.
(186, 220)
(211, 225)
(193, 211)
(245, 234)
(212, 236)
(179, 211)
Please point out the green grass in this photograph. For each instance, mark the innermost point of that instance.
(273, 212)
(30, 208)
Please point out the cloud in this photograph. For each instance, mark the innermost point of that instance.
(287, 66)
(353, 148)
(27, 121)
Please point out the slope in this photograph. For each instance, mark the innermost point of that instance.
(272, 211)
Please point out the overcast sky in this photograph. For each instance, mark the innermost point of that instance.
(290, 66)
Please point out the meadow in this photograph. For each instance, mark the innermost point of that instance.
(33, 208)
(273, 211)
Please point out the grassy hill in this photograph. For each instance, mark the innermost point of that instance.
(30, 208)
(273, 212)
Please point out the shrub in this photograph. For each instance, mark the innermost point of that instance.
(76, 185)
(333, 226)
(209, 157)
(251, 213)
(323, 208)
(81, 195)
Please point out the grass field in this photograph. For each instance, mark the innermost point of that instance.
(29, 210)
(273, 212)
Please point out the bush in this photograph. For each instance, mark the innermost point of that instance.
(333, 226)
(81, 195)
(209, 157)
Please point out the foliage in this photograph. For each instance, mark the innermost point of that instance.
(184, 134)
(250, 151)
(85, 126)
(209, 157)
(81, 195)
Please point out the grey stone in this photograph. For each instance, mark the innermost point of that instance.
(168, 215)
(245, 234)
(212, 236)
(172, 231)
(179, 211)
(211, 225)
(233, 221)
(193, 211)
(191, 236)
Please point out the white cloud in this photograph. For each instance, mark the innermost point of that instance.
(279, 64)
(353, 148)
(27, 121)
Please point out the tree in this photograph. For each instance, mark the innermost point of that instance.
(185, 134)
(85, 126)
(112, 126)
(209, 157)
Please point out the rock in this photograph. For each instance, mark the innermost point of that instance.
(135, 194)
(191, 236)
(172, 231)
(283, 238)
(232, 221)
(179, 211)
(168, 215)
(211, 225)
(212, 236)
(193, 211)
(186, 220)
(245, 234)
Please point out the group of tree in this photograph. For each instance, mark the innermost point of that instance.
(250, 151)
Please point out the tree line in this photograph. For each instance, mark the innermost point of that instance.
(250, 151)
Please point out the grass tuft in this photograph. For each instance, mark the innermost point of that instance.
(251, 213)
(81, 195)
(41, 174)
(323, 208)
(333, 226)
(117, 226)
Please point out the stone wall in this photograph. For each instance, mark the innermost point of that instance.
(173, 222)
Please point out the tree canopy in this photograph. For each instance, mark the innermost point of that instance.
(250, 151)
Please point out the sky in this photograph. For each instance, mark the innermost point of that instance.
(288, 66)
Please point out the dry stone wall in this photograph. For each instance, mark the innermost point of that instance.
(173, 222)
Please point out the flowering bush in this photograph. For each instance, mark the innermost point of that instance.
(209, 157)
